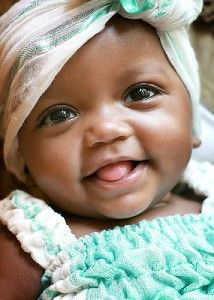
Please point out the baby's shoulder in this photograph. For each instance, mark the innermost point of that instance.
(19, 274)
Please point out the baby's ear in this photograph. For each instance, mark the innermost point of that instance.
(196, 142)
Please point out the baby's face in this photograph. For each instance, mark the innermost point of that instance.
(112, 135)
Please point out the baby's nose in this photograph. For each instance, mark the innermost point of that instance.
(106, 129)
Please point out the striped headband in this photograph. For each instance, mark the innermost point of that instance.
(37, 37)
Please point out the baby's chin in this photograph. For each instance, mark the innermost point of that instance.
(123, 214)
(134, 214)
(127, 209)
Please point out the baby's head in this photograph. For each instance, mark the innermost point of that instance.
(110, 130)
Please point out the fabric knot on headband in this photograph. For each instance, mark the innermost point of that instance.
(162, 14)
(37, 37)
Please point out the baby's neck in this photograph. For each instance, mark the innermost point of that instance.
(173, 205)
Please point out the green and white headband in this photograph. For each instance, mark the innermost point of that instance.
(37, 37)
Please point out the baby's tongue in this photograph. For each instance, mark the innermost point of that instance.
(115, 171)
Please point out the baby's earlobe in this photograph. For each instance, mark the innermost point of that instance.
(196, 142)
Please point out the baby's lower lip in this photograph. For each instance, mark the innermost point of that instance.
(126, 181)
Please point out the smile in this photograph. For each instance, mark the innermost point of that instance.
(119, 175)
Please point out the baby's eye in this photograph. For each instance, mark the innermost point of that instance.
(141, 92)
(57, 114)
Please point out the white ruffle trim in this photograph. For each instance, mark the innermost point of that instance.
(38, 235)
(200, 177)
(60, 271)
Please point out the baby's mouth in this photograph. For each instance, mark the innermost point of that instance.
(118, 177)
(114, 172)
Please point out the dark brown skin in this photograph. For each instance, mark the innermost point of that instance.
(19, 274)
(95, 85)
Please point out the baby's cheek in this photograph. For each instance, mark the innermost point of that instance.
(177, 153)
(169, 143)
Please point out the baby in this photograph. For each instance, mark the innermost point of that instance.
(99, 118)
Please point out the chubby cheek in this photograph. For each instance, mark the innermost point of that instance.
(175, 153)
(167, 139)
(53, 165)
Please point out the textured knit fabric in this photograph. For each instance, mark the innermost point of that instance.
(168, 258)
(37, 37)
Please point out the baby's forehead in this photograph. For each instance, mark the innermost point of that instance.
(76, 3)
(126, 39)
(131, 44)
(121, 38)
(119, 27)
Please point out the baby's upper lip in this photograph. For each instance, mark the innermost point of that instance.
(111, 161)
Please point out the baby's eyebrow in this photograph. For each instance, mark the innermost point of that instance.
(46, 96)
(145, 70)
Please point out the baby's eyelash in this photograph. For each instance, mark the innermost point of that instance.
(141, 92)
(55, 115)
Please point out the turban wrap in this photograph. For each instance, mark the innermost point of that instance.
(37, 37)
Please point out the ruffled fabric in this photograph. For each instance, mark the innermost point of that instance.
(167, 258)
(41, 232)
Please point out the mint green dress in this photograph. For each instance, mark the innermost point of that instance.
(168, 258)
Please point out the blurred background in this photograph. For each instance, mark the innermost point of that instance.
(202, 35)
